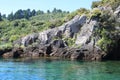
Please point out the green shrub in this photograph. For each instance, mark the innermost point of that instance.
(70, 16)
(19, 46)
(16, 23)
(70, 41)
(113, 3)
(13, 38)
(95, 4)
(22, 24)
(104, 43)
(6, 46)
(96, 13)
(37, 23)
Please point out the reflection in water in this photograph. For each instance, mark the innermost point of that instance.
(47, 69)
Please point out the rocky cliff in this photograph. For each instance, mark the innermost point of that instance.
(82, 30)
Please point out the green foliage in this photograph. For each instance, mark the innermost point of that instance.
(70, 16)
(95, 4)
(107, 30)
(37, 23)
(6, 46)
(10, 16)
(19, 46)
(39, 12)
(13, 29)
(107, 20)
(77, 12)
(55, 23)
(113, 3)
(49, 17)
(16, 23)
(104, 43)
(27, 14)
(13, 38)
(70, 41)
(96, 13)
(4, 16)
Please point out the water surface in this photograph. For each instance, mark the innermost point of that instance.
(47, 69)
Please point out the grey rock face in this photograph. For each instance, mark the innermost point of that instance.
(29, 39)
(86, 32)
(74, 25)
(45, 37)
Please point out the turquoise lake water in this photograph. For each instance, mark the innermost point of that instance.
(47, 69)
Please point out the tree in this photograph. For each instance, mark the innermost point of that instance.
(59, 11)
(10, 16)
(27, 13)
(19, 14)
(33, 13)
(4, 16)
(48, 11)
(54, 10)
(0, 17)
(39, 12)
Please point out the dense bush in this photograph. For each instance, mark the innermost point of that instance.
(107, 30)
(80, 11)
(13, 38)
(113, 3)
(6, 46)
(95, 13)
(95, 4)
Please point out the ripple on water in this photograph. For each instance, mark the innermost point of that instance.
(47, 69)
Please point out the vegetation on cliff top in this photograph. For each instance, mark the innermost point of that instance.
(113, 3)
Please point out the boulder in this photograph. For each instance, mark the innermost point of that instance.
(7, 55)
